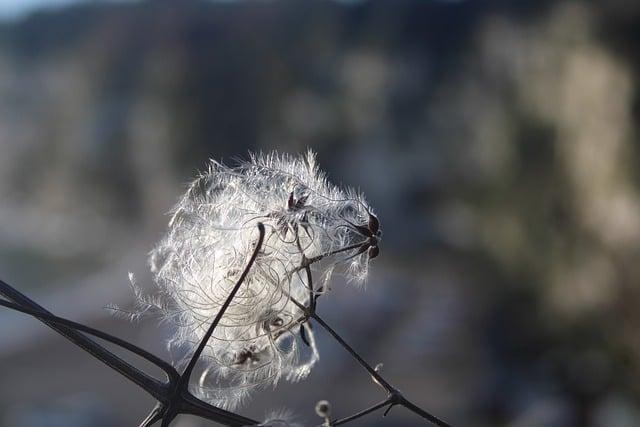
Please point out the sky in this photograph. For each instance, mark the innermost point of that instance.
(13, 9)
(16, 9)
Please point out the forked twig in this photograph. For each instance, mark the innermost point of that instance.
(173, 397)
(168, 369)
(394, 397)
(152, 386)
(361, 413)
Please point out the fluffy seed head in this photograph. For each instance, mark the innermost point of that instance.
(312, 229)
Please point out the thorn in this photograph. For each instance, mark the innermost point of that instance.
(388, 409)
(154, 416)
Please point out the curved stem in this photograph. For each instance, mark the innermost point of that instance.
(186, 375)
(42, 316)
(394, 395)
(154, 416)
(390, 389)
(174, 397)
(424, 414)
(312, 260)
(152, 386)
(361, 413)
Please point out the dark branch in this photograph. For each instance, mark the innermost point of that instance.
(361, 413)
(354, 354)
(173, 397)
(394, 395)
(186, 375)
(133, 374)
(44, 317)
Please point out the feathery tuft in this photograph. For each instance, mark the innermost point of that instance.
(263, 336)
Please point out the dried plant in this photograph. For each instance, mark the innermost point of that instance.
(259, 290)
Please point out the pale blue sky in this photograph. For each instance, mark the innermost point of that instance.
(12, 9)
(15, 9)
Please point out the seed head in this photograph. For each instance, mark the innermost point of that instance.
(311, 227)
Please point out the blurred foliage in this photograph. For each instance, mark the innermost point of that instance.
(498, 139)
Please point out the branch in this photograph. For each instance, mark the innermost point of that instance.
(361, 413)
(395, 397)
(173, 397)
(133, 374)
(44, 317)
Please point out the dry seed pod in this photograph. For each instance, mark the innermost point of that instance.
(211, 234)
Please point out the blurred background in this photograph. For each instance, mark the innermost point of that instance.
(498, 140)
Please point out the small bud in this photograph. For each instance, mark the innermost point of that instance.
(323, 409)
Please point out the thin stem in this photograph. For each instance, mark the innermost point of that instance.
(154, 416)
(174, 397)
(152, 386)
(317, 258)
(362, 413)
(390, 389)
(394, 394)
(424, 414)
(42, 316)
(310, 312)
(186, 375)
